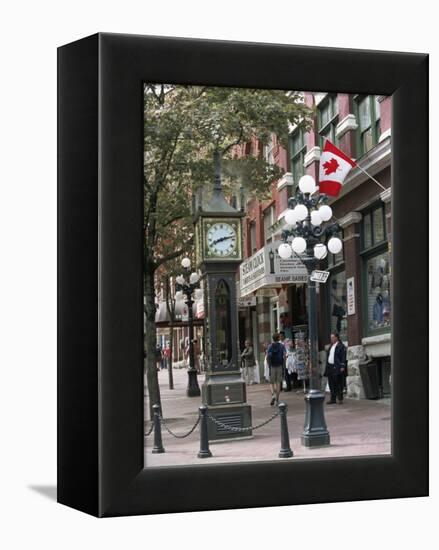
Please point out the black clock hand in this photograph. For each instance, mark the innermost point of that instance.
(223, 239)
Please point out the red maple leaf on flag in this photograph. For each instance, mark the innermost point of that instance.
(330, 166)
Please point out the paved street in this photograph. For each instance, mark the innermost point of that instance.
(356, 428)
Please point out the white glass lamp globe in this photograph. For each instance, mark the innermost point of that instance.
(335, 245)
(307, 184)
(194, 278)
(320, 251)
(298, 245)
(180, 279)
(301, 212)
(285, 251)
(325, 212)
(185, 262)
(316, 218)
(178, 296)
(290, 217)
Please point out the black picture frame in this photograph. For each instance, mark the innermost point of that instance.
(100, 306)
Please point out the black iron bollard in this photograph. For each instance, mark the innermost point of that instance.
(204, 436)
(158, 445)
(285, 449)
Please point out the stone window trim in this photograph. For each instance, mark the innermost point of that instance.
(313, 155)
(350, 218)
(385, 135)
(347, 124)
(287, 179)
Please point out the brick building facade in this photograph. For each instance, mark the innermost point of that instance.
(356, 299)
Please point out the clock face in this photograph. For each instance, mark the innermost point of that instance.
(222, 239)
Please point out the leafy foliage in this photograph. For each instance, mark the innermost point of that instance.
(183, 127)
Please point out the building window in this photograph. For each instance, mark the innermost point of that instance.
(253, 246)
(376, 272)
(268, 150)
(269, 214)
(373, 227)
(298, 151)
(327, 119)
(338, 304)
(367, 111)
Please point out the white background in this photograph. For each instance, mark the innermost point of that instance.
(30, 34)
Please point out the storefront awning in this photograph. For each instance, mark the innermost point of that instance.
(266, 269)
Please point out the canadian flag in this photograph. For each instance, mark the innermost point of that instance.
(334, 167)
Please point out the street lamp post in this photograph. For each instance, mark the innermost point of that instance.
(188, 287)
(304, 234)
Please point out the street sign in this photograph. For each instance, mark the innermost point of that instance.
(319, 276)
(350, 284)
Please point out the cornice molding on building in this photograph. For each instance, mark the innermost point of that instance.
(376, 160)
(287, 179)
(319, 97)
(349, 219)
(348, 123)
(378, 339)
(313, 155)
(385, 135)
(386, 196)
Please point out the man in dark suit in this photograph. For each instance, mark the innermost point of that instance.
(336, 368)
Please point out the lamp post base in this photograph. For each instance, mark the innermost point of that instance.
(315, 432)
(193, 389)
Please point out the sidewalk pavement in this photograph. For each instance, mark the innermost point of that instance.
(356, 428)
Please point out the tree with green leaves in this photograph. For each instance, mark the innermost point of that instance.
(190, 133)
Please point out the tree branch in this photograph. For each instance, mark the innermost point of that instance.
(236, 142)
(172, 255)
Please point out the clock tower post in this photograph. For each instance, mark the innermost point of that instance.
(218, 245)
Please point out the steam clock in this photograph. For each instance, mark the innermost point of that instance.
(219, 253)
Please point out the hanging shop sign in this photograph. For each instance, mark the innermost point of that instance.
(267, 269)
(319, 276)
(350, 284)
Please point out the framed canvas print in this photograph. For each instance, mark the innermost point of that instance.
(242, 275)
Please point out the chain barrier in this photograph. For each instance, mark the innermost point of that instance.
(246, 429)
(162, 420)
(150, 430)
(215, 421)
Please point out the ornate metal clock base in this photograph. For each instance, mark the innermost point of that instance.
(229, 422)
(228, 415)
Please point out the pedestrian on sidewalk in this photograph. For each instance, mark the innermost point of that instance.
(336, 369)
(248, 363)
(275, 360)
(286, 374)
(167, 355)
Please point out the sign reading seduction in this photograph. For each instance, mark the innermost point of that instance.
(267, 269)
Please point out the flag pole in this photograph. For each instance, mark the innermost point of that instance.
(371, 177)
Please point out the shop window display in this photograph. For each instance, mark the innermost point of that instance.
(378, 292)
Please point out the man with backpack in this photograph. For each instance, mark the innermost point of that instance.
(275, 360)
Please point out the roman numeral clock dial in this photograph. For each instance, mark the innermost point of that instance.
(221, 240)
